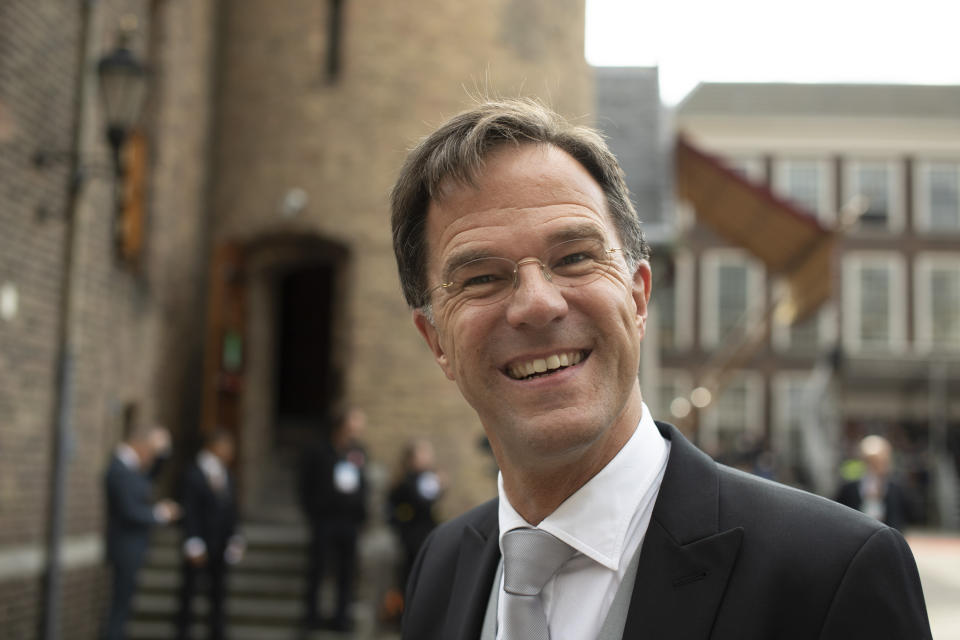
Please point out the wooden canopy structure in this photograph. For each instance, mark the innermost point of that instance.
(791, 242)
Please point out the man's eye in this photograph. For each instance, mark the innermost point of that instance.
(574, 258)
(480, 280)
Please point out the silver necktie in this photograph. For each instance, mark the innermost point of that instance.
(530, 558)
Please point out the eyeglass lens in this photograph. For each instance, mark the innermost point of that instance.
(568, 264)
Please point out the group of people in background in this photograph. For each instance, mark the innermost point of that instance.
(207, 512)
(333, 495)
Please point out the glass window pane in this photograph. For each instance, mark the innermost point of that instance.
(875, 306)
(803, 184)
(805, 336)
(874, 184)
(944, 197)
(945, 302)
(731, 296)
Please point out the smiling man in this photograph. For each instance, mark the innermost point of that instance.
(528, 275)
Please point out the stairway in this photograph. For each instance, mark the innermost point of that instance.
(264, 591)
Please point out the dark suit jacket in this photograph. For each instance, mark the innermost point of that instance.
(320, 498)
(727, 556)
(129, 514)
(208, 514)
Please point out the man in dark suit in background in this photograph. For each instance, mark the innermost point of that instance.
(333, 496)
(528, 275)
(876, 493)
(132, 513)
(211, 542)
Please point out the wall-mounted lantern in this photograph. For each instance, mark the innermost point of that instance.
(123, 84)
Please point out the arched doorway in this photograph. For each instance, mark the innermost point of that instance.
(278, 341)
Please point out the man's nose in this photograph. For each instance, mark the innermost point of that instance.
(536, 301)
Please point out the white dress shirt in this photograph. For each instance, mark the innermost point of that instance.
(216, 475)
(128, 456)
(605, 521)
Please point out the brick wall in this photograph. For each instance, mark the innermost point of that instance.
(405, 68)
(127, 327)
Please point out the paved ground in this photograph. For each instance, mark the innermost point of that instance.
(938, 558)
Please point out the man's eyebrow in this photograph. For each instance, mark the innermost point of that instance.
(459, 258)
(577, 232)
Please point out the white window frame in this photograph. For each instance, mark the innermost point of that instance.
(825, 206)
(923, 297)
(783, 410)
(710, 262)
(851, 188)
(921, 190)
(754, 399)
(853, 264)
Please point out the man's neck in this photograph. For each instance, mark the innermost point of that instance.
(536, 490)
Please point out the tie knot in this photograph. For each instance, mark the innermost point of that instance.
(530, 558)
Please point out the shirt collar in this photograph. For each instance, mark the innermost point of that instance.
(128, 456)
(595, 520)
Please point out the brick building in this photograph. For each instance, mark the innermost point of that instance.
(883, 354)
(265, 289)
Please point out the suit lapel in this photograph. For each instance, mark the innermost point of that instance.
(476, 566)
(686, 560)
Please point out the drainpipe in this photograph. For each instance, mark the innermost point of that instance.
(63, 390)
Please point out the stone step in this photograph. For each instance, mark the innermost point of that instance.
(161, 630)
(254, 560)
(267, 611)
(239, 583)
(265, 589)
(256, 534)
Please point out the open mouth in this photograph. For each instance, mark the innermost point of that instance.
(539, 367)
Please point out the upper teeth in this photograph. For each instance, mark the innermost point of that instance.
(540, 365)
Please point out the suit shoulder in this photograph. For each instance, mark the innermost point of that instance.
(787, 512)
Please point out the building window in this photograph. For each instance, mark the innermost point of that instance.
(807, 183)
(671, 386)
(790, 409)
(938, 196)
(873, 295)
(937, 303)
(808, 336)
(878, 181)
(673, 301)
(734, 420)
(731, 294)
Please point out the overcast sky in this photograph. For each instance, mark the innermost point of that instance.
(909, 41)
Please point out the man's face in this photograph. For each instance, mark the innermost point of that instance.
(524, 202)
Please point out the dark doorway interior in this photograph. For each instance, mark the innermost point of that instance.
(306, 384)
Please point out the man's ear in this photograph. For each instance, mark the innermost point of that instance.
(642, 281)
(432, 338)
